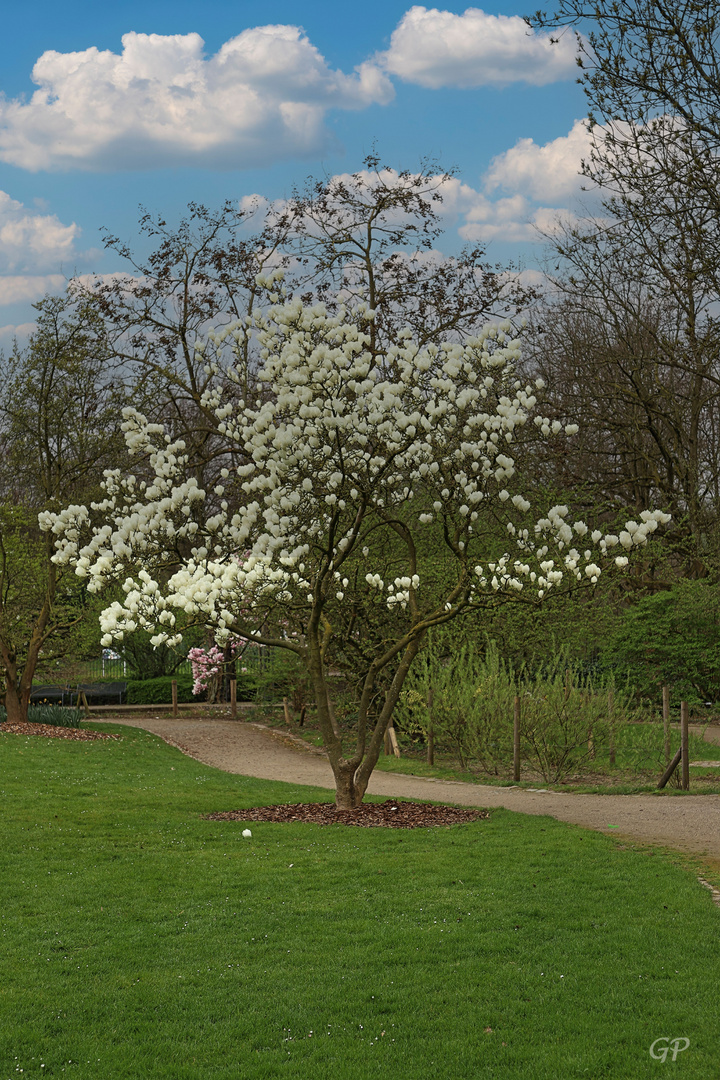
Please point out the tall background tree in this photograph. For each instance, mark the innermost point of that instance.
(59, 427)
(633, 334)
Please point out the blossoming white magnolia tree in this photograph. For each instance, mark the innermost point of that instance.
(359, 520)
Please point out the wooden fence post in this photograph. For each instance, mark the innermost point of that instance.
(174, 698)
(685, 760)
(670, 769)
(516, 739)
(286, 711)
(666, 721)
(611, 727)
(391, 743)
(233, 698)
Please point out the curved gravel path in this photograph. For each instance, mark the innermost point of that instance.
(689, 823)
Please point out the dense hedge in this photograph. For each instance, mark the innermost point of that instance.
(159, 691)
(671, 638)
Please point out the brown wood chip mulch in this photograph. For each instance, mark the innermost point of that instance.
(55, 731)
(391, 814)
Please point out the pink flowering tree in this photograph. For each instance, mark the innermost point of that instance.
(366, 509)
(208, 667)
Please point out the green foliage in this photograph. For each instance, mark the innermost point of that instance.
(280, 674)
(60, 415)
(578, 624)
(146, 661)
(670, 639)
(24, 572)
(159, 691)
(49, 713)
(566, 715)
(38, 601)
(466, 698)
(639, 763)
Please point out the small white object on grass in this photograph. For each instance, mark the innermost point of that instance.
(247, 834)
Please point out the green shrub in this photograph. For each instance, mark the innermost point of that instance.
(159, 691)
(467, 698)
(282, 674)
(146, 661)
(670, 639)
(565, 717)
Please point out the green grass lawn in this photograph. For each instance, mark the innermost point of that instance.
(141, 941)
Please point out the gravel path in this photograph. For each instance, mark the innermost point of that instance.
(689, 823)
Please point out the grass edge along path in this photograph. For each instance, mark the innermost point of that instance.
(690, 822)
(141, 941)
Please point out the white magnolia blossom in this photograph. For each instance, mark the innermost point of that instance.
(336, 441)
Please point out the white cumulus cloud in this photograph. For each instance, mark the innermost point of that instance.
(532, 189)
(438, 48)
(31, 242)
(34, 248)
(12, 331)
(26, 288)
(508, 219)
(160, 102)
(549, 172)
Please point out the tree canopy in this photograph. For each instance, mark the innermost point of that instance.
(366, 512)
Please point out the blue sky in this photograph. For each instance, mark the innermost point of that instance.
(160, 103)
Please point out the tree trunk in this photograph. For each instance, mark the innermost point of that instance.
(331, 714)
(19, 687)
(16, 705)
(353, 774)
(347, 793)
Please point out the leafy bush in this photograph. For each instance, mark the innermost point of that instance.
(159, 691)
(147, 661)
(467, 700)
(565, 717)
(670, 639)
(282, 674)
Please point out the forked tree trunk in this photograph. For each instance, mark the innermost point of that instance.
(352, 774)
(19, 673)
(347, 794)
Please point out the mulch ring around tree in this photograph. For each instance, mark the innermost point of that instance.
(391, 814)
(54, 731)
